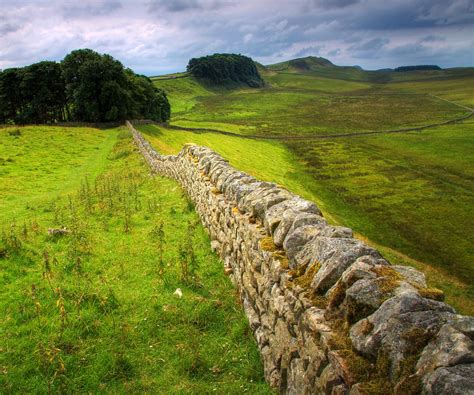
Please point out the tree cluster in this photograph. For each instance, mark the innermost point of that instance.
(418, 67)
(86, 86)
(226, 69)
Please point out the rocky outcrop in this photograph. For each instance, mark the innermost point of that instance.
(329, 314)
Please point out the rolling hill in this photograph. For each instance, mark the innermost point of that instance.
(334, 132)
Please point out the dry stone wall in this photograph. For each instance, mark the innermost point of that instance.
(330, 315)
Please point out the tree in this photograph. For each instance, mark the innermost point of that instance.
(43, 94)
(226, 69)
(11, 102)
(86, 86)
(100, 90)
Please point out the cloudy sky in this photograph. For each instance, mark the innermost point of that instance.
(159, 36)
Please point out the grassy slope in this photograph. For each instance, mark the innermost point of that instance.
(43, 161)
(93, 311)
(296, 104)
(410, 193)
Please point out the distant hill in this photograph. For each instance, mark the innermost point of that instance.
(228, 70)
(325, 68)
(302, 64)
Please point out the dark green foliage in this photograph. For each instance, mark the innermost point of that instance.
(226, 69)
(86, 86)
(418, 67)
(32, 94)
(100, 89)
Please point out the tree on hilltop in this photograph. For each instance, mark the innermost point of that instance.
(226, 69)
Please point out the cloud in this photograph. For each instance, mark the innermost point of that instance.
(91, 8)
(157, 36)
(158, 6)
(330, 4)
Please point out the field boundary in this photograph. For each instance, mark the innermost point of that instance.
(303, 285)
(322, 137)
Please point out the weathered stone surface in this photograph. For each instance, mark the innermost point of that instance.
(400, 327)
(296, 240)
(274, 214)
(304, 348)
(453, 380)
(335, 255)
(328, 380)
(452, 345)
(411, 275)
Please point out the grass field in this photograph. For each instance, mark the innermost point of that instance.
(301, 104)
(94, 310)
(410, 194)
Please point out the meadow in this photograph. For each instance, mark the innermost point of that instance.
(304, 105)
(409, 194)
(91, 255)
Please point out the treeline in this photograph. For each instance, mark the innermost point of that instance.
(86, 87)
(226, 69)
(418, 67)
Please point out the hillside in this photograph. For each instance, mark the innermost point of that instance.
(324, 68)
(381, 185)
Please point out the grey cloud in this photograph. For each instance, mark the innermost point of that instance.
(331, 4)
(374, 44)
(6, 28)
(157, 6)
(154, 36)
(313, 50)
(97, 8)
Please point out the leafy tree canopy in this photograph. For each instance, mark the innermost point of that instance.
(226, 69)
(86, 86)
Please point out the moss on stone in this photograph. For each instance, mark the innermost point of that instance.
(431, 293)
(215, 191)
(305, 280)
(389, 279)
(267, 244)
(337, 295)
(282, 258)
(359, 367)
(379, 386)
(367, 327)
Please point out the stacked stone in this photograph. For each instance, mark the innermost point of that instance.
(329, 314)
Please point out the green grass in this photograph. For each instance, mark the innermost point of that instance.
(42, 161)
(409, 194)
(183, 93)
(457, 89)
(412, 192)
(302, 104)
(94, 311)
(269, 161)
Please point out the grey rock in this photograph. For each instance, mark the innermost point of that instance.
(327, 381)
(337, 231)
(335, 255)
(260, 206)
(411, 275)
(452, 345)
(399, 327)
(274, 214)
(295, 241)
(453, 380)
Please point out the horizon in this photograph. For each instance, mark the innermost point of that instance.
(157, 37)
